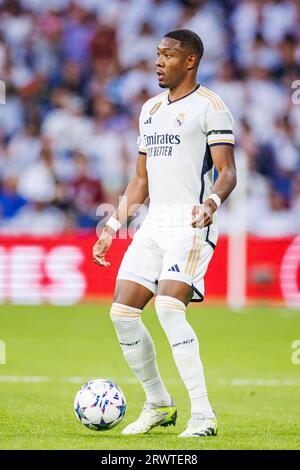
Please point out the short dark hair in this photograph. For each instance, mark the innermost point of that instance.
(188, 40)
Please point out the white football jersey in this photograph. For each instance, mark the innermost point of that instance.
(175, 137)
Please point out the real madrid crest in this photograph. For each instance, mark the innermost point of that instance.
(155, 108)
(179, 120)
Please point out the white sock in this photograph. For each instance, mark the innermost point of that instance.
(185, 347)
(139, 351)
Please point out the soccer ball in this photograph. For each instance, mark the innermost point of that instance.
(100, 405)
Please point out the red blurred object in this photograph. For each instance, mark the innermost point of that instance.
(60, 270)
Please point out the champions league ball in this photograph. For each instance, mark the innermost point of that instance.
(100, 405)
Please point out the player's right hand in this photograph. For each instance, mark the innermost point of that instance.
(202, 214)
(102, 246)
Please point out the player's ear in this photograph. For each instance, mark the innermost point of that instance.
(191, 61)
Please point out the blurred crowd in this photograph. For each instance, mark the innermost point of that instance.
(77, 73)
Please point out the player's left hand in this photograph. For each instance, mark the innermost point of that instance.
(202, 214)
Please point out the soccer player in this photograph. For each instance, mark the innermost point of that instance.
(185, 133)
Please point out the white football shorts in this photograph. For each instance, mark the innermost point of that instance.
(154, 255)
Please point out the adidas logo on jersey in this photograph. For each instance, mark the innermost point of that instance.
(148, 120)
(174, 268)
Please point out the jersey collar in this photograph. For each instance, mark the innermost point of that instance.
(174, 101)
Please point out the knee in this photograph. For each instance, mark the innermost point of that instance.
(130, 293)
(124, 313)
(169, 310)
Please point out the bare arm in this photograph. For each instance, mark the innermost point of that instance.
(223, 158)
(136, 193)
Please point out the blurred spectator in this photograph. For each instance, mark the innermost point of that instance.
(136, 80)
(12, 113)
(86, 193)
(38, 180)
(38, 218)
(10, 200)
(296, 195)
(105, 147)
(141, 47)
(70, 78)
(204, 18)
(289, 61)
(260, 54)
(16, 25)
(79, 29)
(231, 88)
(274, 219)
(266, 102)
(286, 152)
(3, 53)
(66, 125)
(24, 148)
(104, 42)
(164, 16)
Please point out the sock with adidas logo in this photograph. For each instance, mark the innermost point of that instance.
(185, 347)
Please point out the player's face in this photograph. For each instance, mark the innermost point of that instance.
(171, 63)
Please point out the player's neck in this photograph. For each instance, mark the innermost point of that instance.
(182, 90)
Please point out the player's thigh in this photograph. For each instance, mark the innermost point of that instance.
(132, 294)
(178, 289)
(184, 266)
(138, 272)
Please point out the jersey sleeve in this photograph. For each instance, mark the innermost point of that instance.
(219, 124)
(142, 147)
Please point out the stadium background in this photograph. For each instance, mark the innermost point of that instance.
(76, 74)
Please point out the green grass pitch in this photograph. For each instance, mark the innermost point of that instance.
(252, 382)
